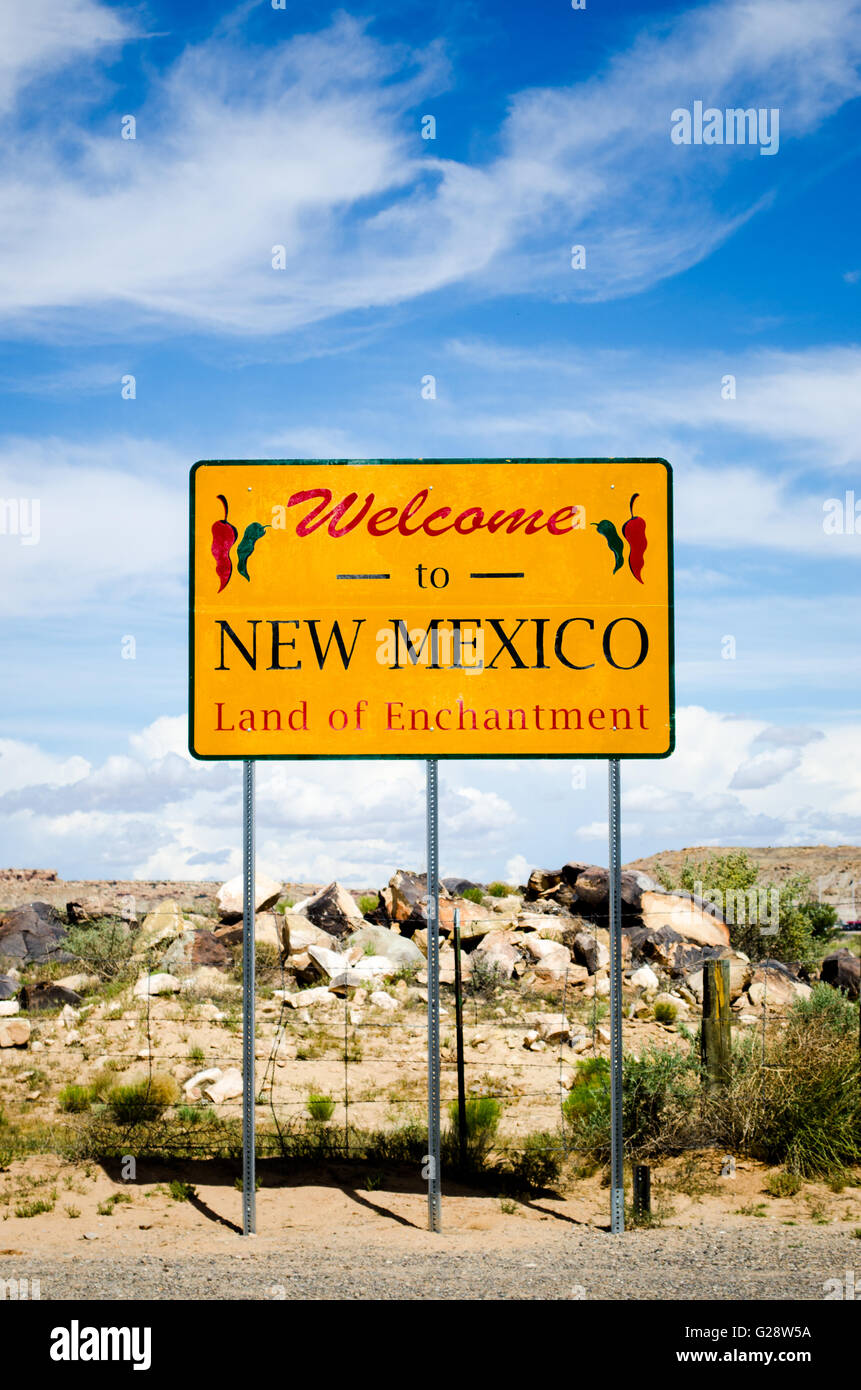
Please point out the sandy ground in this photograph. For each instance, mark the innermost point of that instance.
(334, 1233)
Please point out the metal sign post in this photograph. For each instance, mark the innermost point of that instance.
(617, 1181)
(458, 1026)
(249, 1215)
(433, 1153)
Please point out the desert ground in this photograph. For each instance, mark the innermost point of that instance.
(91, 1223)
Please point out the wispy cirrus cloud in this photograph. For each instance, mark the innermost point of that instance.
(39, 37)
(179, 225)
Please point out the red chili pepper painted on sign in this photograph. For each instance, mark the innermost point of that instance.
(634, 532)
(224, 534)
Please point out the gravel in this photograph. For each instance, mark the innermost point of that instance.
(694, 1263)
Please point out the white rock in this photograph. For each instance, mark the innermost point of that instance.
(14, 1032)
(645, 978)
(227, 1088)
(303, 933)
(79, 983)
(9, 1007)
(156, 984)
(69, 1016)
(555, 1029)
(211, 1013)
(307, 998)
(381, 1000)
(230, 896)
(201, 1078)
(160, 928)
(540, 947)
(329, 962)
(367, 971)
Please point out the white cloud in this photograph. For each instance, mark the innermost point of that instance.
(764, 769)
(106, 513)
(517, 869)
(179, 224)
(153, 812)
(40, 36)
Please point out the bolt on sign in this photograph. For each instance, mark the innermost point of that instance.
(430, 608)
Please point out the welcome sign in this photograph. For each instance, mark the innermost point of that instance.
(431, 608)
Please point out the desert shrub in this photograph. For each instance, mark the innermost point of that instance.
(802, 1107)
(407, 973)
(74, 1100)
(320, 1108)
(105, 947)
(533, 1167)
(181, 1191)
(481, 1122)
(102, 1083)
(783, 1184)
(37, 1207)
(110, 1204)
(828, 1009)
(140, 1101)
(473, 895)
(171, 1138)
(659, 1095)
(802, 920)
(284, 904)
(500, 890)
(268, 962)
(368, 902)
(665, 1012)
(486, 976)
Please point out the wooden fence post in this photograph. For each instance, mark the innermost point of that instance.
(716, 1045)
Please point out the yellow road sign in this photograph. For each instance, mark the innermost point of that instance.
(431, 608)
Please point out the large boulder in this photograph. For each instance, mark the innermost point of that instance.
(161, 983)
(160, 928)
(230, 896)
(227, 1087)
(47, 995)
(34, 932)
(498, 950)
(409, 894)
(693, 919)
(208, 950)
(9, 987)
(177, 957)
(333, 909)
(14, 1032)
(773, 987)
(458, 886)
(471, 915)
(81, 911)
(590, 952)
(842, 970)
(384, 942)
(542, 881)
(298, 933)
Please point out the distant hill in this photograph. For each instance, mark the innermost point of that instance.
(835, 870)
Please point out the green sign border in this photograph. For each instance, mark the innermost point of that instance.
(422, 757)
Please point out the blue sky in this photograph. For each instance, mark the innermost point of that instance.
(258, 127)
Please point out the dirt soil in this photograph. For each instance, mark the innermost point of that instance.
(338, 1233)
